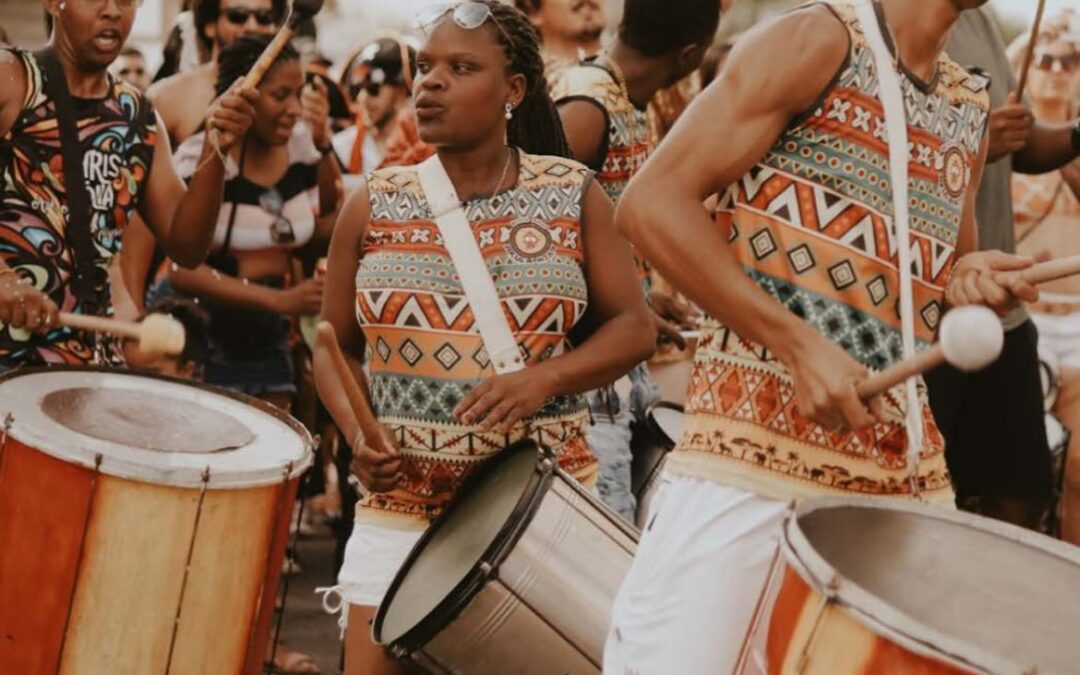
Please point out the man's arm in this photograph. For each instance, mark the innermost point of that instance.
(585, 124)
(1049, 147)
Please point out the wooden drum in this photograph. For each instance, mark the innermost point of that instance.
(143, 523)
(879, 586)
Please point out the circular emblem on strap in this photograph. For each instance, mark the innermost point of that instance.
(955, 172)
(529, 241)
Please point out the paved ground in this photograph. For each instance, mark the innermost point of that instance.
(307, 627)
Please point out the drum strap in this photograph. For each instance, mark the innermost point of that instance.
(892, 99)
(449, 214)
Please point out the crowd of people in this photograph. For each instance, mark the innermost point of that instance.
(625, 185)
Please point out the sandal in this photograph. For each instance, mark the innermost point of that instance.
(289, 662)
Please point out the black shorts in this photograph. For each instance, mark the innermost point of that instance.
(993, 423)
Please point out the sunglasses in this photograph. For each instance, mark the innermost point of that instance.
(238, 16)
(281, 230)
(1046, 61)
(469, 15)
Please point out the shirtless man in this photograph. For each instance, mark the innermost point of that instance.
(182, 99)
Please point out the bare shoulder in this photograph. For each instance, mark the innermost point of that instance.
(13, 85)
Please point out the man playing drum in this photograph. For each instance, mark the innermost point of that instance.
(127, 169)
(799, 273)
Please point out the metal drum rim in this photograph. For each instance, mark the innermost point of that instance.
(177, 477)
(502, 543)
(877, 614)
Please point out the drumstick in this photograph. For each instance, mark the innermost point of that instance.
(971, 338)
(1030, 52)
(301, 10)
(327, 339)
(1039, 273)
(157, 333)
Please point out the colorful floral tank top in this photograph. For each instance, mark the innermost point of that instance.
(424, 348)
(117, 134)
(811, 224)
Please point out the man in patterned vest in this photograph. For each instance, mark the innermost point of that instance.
(799, 275)
(603, 104)
(127, 169)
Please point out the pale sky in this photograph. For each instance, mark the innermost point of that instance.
(1025, 9)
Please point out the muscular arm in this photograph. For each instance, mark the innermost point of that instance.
(585, 124)
(774, 73)
(339, 302)
(1049, 147)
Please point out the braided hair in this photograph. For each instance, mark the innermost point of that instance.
(536, 127)
(237, 59)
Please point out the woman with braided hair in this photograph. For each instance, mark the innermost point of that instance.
(393, 292)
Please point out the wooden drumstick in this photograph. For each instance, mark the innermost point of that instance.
(971, 338)
(157, 333)
(301, 10)
(327, 339)
(1039, 273)
(1030, 51)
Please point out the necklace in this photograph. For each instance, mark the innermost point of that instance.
(506, 167)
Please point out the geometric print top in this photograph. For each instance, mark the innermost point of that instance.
(117, 135)
(629, 140)
(812, 225)
(424, 350)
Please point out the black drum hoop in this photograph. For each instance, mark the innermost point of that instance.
(639, 482)
(487, 566)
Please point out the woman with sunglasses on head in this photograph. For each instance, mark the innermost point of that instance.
(544, 230)
(1047, 218)
(280, 194)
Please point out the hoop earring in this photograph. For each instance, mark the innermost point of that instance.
(509, 112)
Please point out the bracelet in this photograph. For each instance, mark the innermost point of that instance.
(325, 150)
(6, 272)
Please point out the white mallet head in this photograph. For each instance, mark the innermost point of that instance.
(971, 337)
(161, 334)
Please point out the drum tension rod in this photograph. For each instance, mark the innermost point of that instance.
(827, 598)
(9, 420)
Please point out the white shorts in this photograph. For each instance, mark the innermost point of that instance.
(373, 556)
(700, 568)
(1059, 339)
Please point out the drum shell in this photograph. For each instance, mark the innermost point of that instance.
(553, 591)
(92, 571)
(649, 448)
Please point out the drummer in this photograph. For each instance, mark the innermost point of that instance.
(798, 274)
(482, 100)
(38, 258)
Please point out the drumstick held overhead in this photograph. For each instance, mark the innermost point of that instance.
(157, 333)
(1030, 51)
(327, 339)
(971, 338)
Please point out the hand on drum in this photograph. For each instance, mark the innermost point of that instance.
(497, 404)
(978, 279)
(231, 114)
(376, 462)
(825, 380)
(24, 307)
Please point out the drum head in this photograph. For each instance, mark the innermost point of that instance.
(669, 419)
(153, 429)
(988, 594)
(442, 572)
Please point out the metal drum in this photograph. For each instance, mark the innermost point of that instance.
(517, 577)
(880, 586)
(653, 439)
(143, 523)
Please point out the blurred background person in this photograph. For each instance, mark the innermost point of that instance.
(569, 30)
(130, 67)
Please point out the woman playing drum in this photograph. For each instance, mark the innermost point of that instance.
(481, 99)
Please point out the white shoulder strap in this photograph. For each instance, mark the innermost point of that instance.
(475, 278)
(892, 99)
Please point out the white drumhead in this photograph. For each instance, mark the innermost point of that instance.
(956, 586)
(670, 421)
(152, 429)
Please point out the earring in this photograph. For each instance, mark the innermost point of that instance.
(509, 111)
(63, 6)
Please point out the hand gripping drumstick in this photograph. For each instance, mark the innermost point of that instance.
(971, 338)
(301, 9)
(1030, 51)
(327, 338)
(157, 333)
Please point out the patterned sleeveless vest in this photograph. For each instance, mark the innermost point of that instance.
(425, 350)
(117, 135)
(629, 139)
(811, 224)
